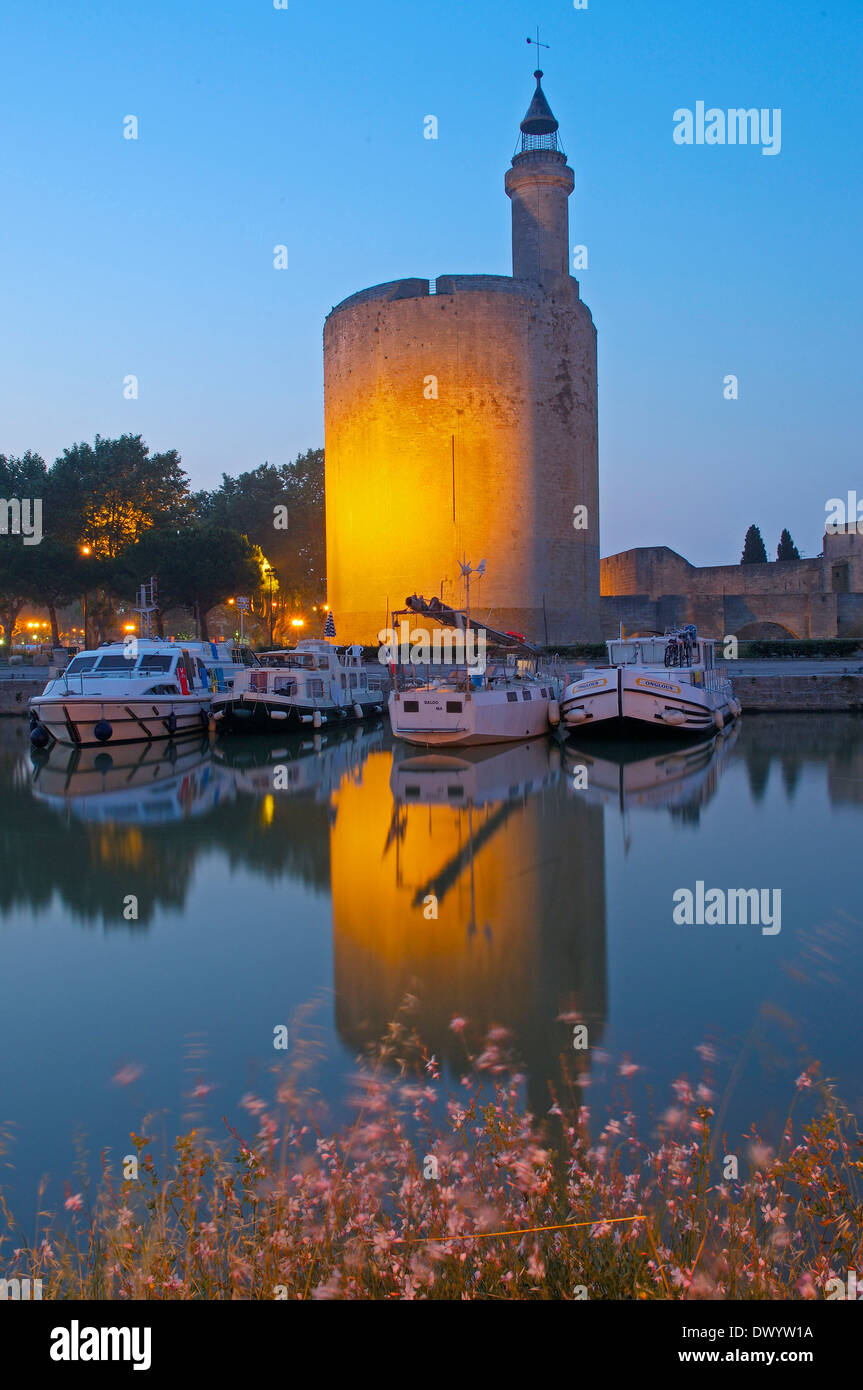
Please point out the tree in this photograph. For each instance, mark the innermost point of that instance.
(754, 552)
(15, 572)
(54, 574)
(196, 567)
(786, 549)
(20, 478)
(258, 502)
(106, 495)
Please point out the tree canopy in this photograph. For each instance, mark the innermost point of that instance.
(754, 551)
(786, 549)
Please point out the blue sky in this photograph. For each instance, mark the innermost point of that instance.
(304, 126)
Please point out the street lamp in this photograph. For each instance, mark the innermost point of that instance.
(268, 575)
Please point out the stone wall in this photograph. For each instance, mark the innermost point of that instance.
(654, 587)
(491, 468)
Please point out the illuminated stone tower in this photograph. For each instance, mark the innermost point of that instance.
(461, 418)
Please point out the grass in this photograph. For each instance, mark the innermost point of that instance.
(290, 1210)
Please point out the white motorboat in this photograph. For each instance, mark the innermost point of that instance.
(669, 683)
(135, 691)
(507, 701)
(313, 686)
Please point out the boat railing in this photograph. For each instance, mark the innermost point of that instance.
(716, 678)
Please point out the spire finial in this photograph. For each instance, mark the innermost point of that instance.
(538, 44)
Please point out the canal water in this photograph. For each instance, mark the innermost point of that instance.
(163, 911)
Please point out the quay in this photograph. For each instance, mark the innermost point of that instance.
(800, 685)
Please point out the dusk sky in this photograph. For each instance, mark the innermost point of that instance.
(304, 127)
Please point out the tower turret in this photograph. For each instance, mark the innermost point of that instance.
(539, 184)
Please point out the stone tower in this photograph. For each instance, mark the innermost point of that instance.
(461, 418)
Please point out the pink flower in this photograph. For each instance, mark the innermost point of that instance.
(458, 1025)
(126, 1075)
(74, 1202)
(803, 1081)
(628, 1069)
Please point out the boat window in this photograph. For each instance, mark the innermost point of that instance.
(153, 665)
(344, 681)
(163, 690)
(525, 694)
(453, 706)
(116, 663)
(284, 685)
(258, 681)
(512, 696)
(412, 706)
(80, 664)
(315, 688)
(455, 791)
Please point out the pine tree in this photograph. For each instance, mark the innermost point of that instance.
(754, 552)
(786, 549)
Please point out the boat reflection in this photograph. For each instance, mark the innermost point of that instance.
(633, 775)
(133, 784)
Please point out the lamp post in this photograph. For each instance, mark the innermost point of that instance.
(268, 575)
(85, 551)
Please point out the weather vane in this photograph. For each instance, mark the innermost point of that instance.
(538, 44)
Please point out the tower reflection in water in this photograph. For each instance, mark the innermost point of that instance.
(515, 865)
(507, 843)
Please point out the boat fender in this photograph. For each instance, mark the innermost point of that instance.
(278, 714)
(673, 716)
(170, 723)
(736, 708)
(358, 711)
(102, 730)
(718, 719)
(575, 716)
(39, 736)
(554, 713)
(317, 721)
(305, 719)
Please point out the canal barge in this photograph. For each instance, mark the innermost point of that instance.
(670, 684)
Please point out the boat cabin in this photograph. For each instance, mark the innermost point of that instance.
(650, 651)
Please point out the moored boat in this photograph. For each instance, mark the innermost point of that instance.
(506, 701)
(135, 691)
(671, 684)
(315, 685)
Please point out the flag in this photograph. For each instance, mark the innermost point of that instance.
(330, 629)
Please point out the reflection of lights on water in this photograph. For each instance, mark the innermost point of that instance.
(268, 807)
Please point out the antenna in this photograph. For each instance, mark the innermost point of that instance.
(147, 603)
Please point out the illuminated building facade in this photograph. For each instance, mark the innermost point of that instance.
(461, 418)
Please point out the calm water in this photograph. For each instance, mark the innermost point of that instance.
(255, 901)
